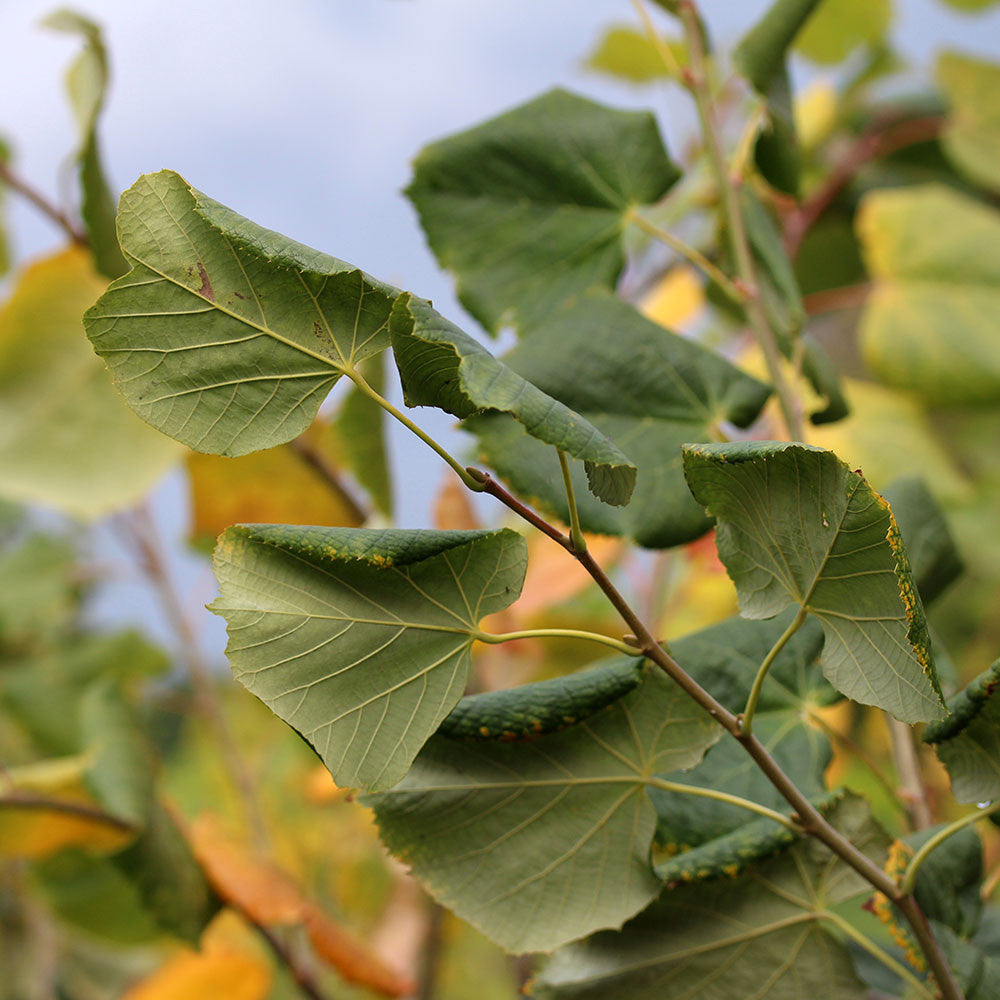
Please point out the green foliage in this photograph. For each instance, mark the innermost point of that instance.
(972, 136)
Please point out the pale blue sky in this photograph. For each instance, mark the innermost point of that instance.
(304, 116)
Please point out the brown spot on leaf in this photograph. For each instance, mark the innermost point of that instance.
(206, 291)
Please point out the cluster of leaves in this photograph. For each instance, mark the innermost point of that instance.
(601, 814)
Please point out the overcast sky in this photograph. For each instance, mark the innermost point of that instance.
(304, 115)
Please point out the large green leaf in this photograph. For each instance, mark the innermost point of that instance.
(930, 324)
(360, 639)
(796, 526)
(968, 741)
(529, 209)
(757, 937)
(224, 335)
(648, 389)
(87, 83)
(949, 880)
(541, 841)
(724, 659)
(971, 138)
(976, 971)
(66, 439)
(441, 366)
(760, 57)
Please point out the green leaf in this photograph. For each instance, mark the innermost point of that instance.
(968, 741)
(361, 432)
(541, 841)
(87, 82)
(166, 877)
(949, 880)
(627, 54)
(977, 973)
(529, 209)
(796, 526)
(930, 322)
(756, 936)
(760, 57)
(837, 27)
(66, 439)
(724, 659)
(934, 557)
(360, 639)
(439, 365)
(224, 335)
(971, 138)
(37, 592)
(646, 388)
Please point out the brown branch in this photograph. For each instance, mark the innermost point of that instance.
(879, 140)
(46, 207)
(304, 978)
(81, 810)
(911, 783)
(317, 461)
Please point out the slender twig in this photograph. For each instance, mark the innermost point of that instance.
(732, 800)
(735, 227)
(316, 460)
(670, 62)
(689, 253)
(746, 719)
(304, 978)
(876, 952)
(24, 800)
(990, 884)
(464, 474)
(557, 633)
(430, 959)
(46, 207)
(910, 879)
(142, 533)
(575, 531)
(911, 783)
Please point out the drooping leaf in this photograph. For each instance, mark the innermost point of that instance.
(930, 323)
(86, 83)
(360, 639)
(837, 27)
(756, 936)
(267, 487)
(724, 659)
(971, 138)
(760, 57)
(540, 841)
(648, 389)
(360, 426)
(66, 439)
(934, 557)
(949, 880)
(968, 741)
(441, 366)
(626, 54)
(225, 335)
(796, 526)
(529, 209)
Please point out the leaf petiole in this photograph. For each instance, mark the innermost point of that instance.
(575, 531)
(733, 800)
(558, 633)
(746, 719)
(472, 482)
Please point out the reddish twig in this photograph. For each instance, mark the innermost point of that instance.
(46, 207)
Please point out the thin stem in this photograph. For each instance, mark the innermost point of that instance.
(575, 532)
(874, 950)
(746, 719)
(304, 978)
(316, 460)
(739, 244)
(744, 148)
(689, 253)
(46, 207)
(910, 879)
(990, 885)
(733, 800)
(141, 531)
(911, 783)
(471, 481)
(430, 960)
(673, 67)
(558, 633)
(22, 800)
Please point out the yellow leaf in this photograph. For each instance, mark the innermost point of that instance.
(815, 113)
(67, 439)
(275, 486)
(678, 299)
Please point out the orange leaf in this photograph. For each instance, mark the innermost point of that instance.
(206, 976)
(453, 508)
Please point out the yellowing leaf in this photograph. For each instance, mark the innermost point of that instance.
(67, 440)
(838, 26)
(276, 486)
(453, 510)
(815, 113)
(677, 300)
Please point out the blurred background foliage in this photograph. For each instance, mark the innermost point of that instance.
(161, 834)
